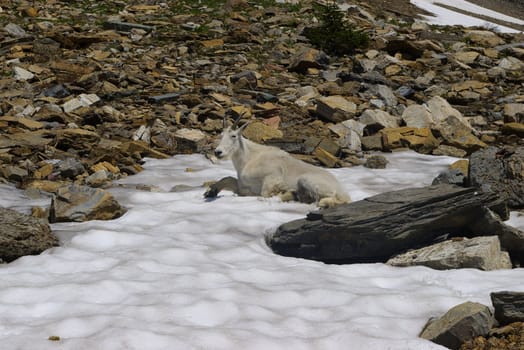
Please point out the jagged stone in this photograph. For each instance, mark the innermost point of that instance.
(440, 110)
(513, 129)
(447, 150)
(452, 177)
(378, 119)
(481, 253)
(142, 148)
(69, 168)
(421, 140)
(260, 132)
(23, 235)
(499, 170)
(417, 116)
(190, 140)
(308, 58)
(511, 64)
(22, 74)
(372, 143)
(335, 108)
(83, 100)
(514, 112)
(82, 203)
(14, 173)
(325, 157)
(461, 165)
(467, 57)
(24, 122)
(458, 134)
(376, 162)
(509, 306)
(484, 38)
(76, 138)
(461, 323)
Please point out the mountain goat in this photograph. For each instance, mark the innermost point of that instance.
(267, 171)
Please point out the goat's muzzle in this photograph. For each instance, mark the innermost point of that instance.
(218, 153)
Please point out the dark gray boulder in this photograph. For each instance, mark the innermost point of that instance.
(509, 307)
(23, 235)
(499, 170)
(376, 228)
(460, 324)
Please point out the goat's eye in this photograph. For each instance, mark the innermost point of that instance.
(233, 136)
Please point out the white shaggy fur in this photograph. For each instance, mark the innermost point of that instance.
(267, 171)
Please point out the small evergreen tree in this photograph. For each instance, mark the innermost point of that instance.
(335, 35)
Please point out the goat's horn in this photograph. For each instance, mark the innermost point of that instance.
(224, 122)
(235, 124)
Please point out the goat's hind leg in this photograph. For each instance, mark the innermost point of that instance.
(274, 186)
(226, 183)
(315, 189)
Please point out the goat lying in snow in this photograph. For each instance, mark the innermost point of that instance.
(267, 171)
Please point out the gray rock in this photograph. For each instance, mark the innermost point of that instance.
(69, 168)
(452, 177)
(387, 95)
(440, 110)
(15, 30)
(190, 140)
(509, 307)
(511, 64)
(335, 108)
(14, 173)
(376, 228)
(23, 235)
(376, 162)
(481, 253)
(22, 74)
(417, 116)
(98, 178)
(460, 324)
(82, 203)
(372, 143)
(514, 112)
(499, 170)
(379, 118)
(349, 132)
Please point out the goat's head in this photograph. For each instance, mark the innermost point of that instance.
(230, 142)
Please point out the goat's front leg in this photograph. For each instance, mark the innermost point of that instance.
(226, 183)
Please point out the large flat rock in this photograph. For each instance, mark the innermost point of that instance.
(376, 228)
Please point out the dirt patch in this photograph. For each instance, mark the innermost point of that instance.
(508, 7)
(488, 19)
(402, 8)
(406, 9)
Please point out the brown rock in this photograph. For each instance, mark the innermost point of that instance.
(421, 140)
(23, 235)
(325, 157)
(335, 108)
(260, 132)
(142, 148)
(513, 128)
(82, 203)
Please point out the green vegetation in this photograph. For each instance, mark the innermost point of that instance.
(335, 35)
